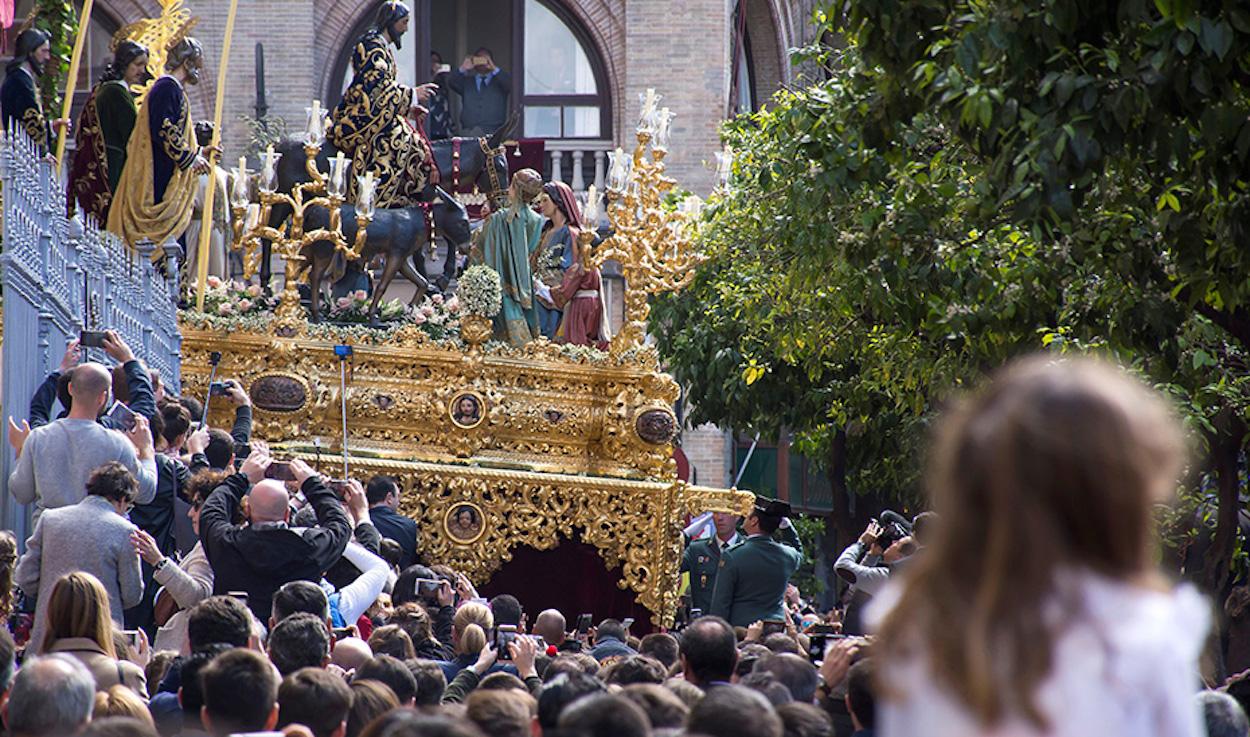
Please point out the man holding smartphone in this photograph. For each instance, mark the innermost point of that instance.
(268, 552)
(484, 90)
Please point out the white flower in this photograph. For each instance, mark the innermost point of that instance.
(225, 309)
(361, 294)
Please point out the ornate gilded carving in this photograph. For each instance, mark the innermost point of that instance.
(279, 393)
(656, 426)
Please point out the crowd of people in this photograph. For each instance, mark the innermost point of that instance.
(1027, 603)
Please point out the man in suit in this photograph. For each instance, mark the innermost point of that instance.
(484, 90)
(702, 559)
(92, 536)
(383, 496)
(751, 584)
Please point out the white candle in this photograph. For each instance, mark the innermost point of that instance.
(592, 206)
(253, 216)
(242, 167)
(649, 106)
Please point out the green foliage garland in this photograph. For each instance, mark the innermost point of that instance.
(59, 18)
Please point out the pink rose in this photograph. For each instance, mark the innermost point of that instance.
(214, 282)
(453, 304)
(343, 303)
(225, 308)
(361, 294)
(427, 310)
(254, 290)
(245, 305)
(419, 318)
(437, 299)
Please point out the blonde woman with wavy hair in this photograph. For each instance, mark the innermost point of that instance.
(1039, 609)
(79, 625)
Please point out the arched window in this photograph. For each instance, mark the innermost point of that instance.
(562, 96)
(558, 79)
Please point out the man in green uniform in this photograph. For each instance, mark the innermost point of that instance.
(702, 559)
(753, 575)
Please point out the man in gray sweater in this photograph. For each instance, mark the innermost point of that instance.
(56, 459)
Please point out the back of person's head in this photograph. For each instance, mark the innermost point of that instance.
(391, 552)
(550, 625)
(861, 700)
(689, 693)
(780, 642)
(405, 588)
(114, 482)
(794, 672)
(431, 681)
(119, 726)
(411, 723)
(158, 665)
(571, 663)
(52, 696)
(765, 684)
(634, 669)
(501, 713)
(79, 607)
(393, 673)
(500, 681)
(315, 698)
(660, 645)
(299, 641)
(506, 609)
(924, 527)
(561, 691)
(370, 700)
(193, 405)
(220, 449)
(176, 422)
(604, 715)
(300, 596)
(1222, 715)
(664, 709)
(219, 619)
(804, 720)
(379, 488)
(190, 691)
(413, 619)
(392, 640)
(240, 692)
(610, 628)
(121, 701)
(90, 384)
(470, 615)
(1063, 458)
(709, 650)
(734, 711)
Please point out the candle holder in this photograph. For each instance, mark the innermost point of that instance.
(654, 246)
(289, 239)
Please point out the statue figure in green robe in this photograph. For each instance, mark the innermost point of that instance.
(506, 242)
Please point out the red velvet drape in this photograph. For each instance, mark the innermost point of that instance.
(571, 578)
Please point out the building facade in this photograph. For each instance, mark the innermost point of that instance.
(578, 68)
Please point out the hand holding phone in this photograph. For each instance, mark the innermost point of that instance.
(280, 471)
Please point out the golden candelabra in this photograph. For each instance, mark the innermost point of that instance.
(653, 243)
(289, 239)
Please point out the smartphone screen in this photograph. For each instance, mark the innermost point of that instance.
(627, 623)
(583, 624)
(91, 339)
(124, 417)
(280, 471)
(773, 626)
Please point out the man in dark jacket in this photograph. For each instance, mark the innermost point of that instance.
(142, 401)
(267, 553)
(484, 91)
(610, 638)
(383, 495)
(20, 102)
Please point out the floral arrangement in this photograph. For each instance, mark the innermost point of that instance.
(232, 298)
(439, 317)
(481, 292)
(354, 308)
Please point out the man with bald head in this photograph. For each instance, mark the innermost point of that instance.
(552, 627)
(56, 459)
(266, 553)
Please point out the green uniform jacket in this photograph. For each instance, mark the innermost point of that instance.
(702, 560)
(752, 581)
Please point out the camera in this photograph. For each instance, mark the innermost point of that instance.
(505, 634)
(91, 339)
(894, 527)
(427, 588)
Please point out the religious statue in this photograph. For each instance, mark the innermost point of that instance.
(580, 291)
(508, 238)
(20, 104)
(103, 132)
(371, 123)
(553, 256)
(222, 218)
(156, 193)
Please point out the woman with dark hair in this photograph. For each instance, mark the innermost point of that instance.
(554, 254)
(104, 130)
(579, 293)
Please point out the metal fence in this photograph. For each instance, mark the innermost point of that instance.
(62, 276)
